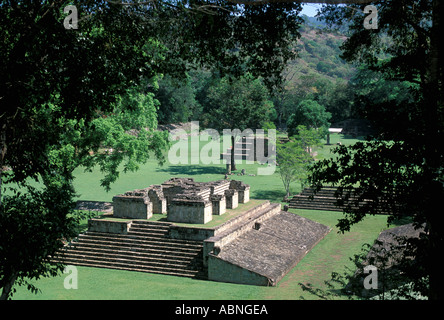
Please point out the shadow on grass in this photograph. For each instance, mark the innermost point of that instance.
(272, 195)
(354, 137)
(192, 170)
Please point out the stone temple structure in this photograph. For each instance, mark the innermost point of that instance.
(187, 201)
(256, 244)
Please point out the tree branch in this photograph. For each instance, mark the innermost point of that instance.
(262, 2)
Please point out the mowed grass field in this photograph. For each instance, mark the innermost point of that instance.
(330, 255)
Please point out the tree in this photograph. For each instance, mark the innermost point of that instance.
(294, 161)
(67, 93)
(310, 114)
(400, 169)
(340, 101)
(238, 104)
(385, 96)
(308, 138)
(177, 101)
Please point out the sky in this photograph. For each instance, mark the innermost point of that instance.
(310, 9)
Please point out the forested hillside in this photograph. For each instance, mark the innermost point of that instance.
(319, 51)
(318, 74)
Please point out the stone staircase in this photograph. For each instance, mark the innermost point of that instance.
(146, 248)
(244, 150)
(324, 199)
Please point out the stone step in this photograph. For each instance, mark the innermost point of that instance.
(147, 232)
(314, 207)
(327, 203)
(240, 150)
(326, 192)
(263, 207)
(322, 205)
(324, 199)
(141, 236)
(156, 249)
(153, 223)
(153, 253)
(154, 243)
(146, 247)
(236, 156)
(260, 214)
(151, 226)
(129, 258)
(140, 268)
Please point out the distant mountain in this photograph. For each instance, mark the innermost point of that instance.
(313, 22)
(318, 52)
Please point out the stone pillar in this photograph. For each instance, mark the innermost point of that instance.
(158, 200)
(132, 206)
(189, 211)
(244, 195)
(242, 189)
(219, 204)
(231, 197)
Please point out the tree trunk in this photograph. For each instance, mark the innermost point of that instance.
(7, 286)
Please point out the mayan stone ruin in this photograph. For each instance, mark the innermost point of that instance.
(164, 229)
(187, 201)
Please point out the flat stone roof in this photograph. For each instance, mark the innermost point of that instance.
(276, 247)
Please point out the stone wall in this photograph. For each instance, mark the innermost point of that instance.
(158, 199)
(234, 228)
(224, 271)
(270, 248)
(176, 186)
(189, 210)
(190, 233)
(219, 204)
(219, 187)
(231, 197)
(135, 205)
(198, 197)
(106, 226)
(242, 189)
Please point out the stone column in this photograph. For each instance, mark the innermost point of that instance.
(231, 196)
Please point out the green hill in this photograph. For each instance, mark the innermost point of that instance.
(319, 52)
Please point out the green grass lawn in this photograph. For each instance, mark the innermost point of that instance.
(331, 254)
(267, 187)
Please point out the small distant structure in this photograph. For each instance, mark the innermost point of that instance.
(332, 130)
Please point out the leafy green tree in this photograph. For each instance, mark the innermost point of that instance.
(67, 93)
(385, 96)
(267, 126)
(294, 161)
(340, 101)
(310, 114)
(177, 101)
(308, 138)
(128, 136)
(285, 102)
(401, 168)
(240, 104)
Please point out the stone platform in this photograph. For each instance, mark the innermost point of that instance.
(257, 243)
(265, 254)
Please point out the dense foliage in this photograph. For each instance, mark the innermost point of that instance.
(84, 97)
(400, 168)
